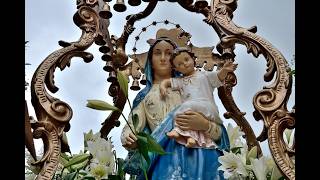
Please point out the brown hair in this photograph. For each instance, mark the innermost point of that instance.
(178, 51)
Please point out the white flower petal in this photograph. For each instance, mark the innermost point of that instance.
(259, 168)
(99, 171)
(232, 164)
(234, 134)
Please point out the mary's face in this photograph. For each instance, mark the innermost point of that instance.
(161, 58)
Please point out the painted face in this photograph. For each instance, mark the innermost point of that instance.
(184, 63)
(161, 58)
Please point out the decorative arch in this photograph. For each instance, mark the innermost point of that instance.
(92, 17)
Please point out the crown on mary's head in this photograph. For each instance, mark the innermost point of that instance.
(177, 35)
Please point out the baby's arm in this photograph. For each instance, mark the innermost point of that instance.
(164, 85)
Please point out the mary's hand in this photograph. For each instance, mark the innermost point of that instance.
(192, 120)
(130, 141)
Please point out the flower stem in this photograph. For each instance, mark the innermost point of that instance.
(129, 103)
(130, 109)
(143, 169)
(127, 123)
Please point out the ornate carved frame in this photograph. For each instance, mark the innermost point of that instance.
(53, 115)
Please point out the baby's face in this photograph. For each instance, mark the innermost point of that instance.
(184, 63)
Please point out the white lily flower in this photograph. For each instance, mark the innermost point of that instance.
(100, 171)
(103, 163)
(288, 136)
(253, 153)
(259, 167)
(99, 144)
(105, 158)
(30, 176)
(88, 136)
(270, 164)
(232, 165)
(29, 160)
(276, 174)
(234, 134)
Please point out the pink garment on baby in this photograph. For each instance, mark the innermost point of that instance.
(201, 139)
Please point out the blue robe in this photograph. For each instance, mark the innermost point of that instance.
(182, 162)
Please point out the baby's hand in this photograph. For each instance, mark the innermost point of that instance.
(229, 66)
(163, 91)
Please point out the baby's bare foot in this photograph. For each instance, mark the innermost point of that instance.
(190, 142)
(173, 134)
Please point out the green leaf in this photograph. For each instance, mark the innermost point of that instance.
(121, 173)
(70, 176)
(78, 159)
(236, 150)
(123, 82)
(135, 120)
(153, 146)
(65, 156)
(142, 137)
(79, 165)
(143, 147)
(63, 161)
(83, 172)
(101, 105)
(292, 72)
(143, 169)
(145, 173)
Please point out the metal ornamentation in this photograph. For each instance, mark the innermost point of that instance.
(92, 17)
(53, 115)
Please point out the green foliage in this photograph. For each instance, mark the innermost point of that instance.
(145, 143)
(80, 165)
(121, 173)
(152, 145)
(65, 156)
(236, 150)
(123, 82)
(145, 174)
(101, 105)
(79, 158)
(143, 147)
(70, 176)
(63, 160)
(292, 72)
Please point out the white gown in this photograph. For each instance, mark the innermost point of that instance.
(197, 95)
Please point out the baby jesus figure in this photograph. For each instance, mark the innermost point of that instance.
(196, 88)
